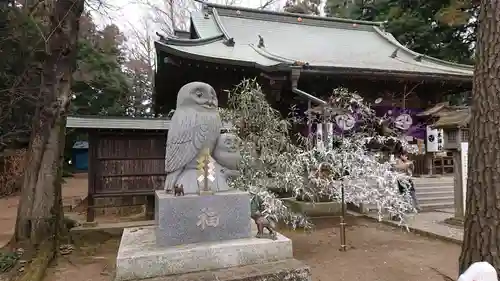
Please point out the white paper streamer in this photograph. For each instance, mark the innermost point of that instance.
(319, 136)
(270, 160)
(329, 135)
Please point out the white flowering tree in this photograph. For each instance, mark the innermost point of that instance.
(272, 159)
(354, 159)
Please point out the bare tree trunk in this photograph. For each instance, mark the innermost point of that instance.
(482, 220)
(40, 214)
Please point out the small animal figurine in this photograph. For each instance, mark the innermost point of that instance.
(262, 222)
(178, 190)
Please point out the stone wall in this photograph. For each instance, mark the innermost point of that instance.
(126, 206)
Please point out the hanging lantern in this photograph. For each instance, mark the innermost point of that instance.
(299, 19)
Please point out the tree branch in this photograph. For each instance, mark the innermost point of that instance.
(267, 4)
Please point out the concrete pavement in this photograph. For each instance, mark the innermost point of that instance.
(429, 224)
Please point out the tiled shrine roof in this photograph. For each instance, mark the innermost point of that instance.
(272, 40)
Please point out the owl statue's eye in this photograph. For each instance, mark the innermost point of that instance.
(199, 94)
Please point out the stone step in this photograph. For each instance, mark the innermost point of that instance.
(438, 183)
(439, 179)
(424, 206)
(442, 199)
(428, 205)
(423, 189)
(433, 179)
(433, 206)
(434, 188)
(437, 199)
(433, 194)
(433, 184)
(289, 269)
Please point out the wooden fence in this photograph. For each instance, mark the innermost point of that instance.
(128, 163)
(441, 165)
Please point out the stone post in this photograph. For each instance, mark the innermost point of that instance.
(458, 189)
(429, 159)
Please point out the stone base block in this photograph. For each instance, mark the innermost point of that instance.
(139, 256)
(317, 209)
(290, 270)
(455, 221)
(201, 218)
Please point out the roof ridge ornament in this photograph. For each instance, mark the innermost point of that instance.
(288, 15)
(204, 5)
(189, 42)
(419, 57)
(261, 42)
(395, 53)
(162, 37)
(265, 53)
(229, 41)
(302, 64)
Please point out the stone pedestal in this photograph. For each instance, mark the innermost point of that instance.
(207, 238)
(316, 209)
(139, 256)
(194, 218)
(289, 270)
(455, 221)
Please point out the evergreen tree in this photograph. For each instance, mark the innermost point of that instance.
(308, 7)
(101, 85)
(482, 215)
(435, 28)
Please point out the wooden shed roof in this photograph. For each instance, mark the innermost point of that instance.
(118, 123)
(122, 123)
(453, 119)
(440, 109)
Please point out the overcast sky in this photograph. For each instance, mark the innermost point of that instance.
(127, 13)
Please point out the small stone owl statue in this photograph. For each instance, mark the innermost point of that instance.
(227, 157)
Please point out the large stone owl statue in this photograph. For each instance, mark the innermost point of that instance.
(195, 126)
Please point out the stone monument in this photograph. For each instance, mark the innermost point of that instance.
(202, 234)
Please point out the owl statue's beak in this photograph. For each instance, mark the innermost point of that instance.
(210, 104)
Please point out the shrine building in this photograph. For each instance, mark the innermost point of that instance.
(299, 59)
(289, 52)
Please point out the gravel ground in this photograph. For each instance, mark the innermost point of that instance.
(377, 252)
